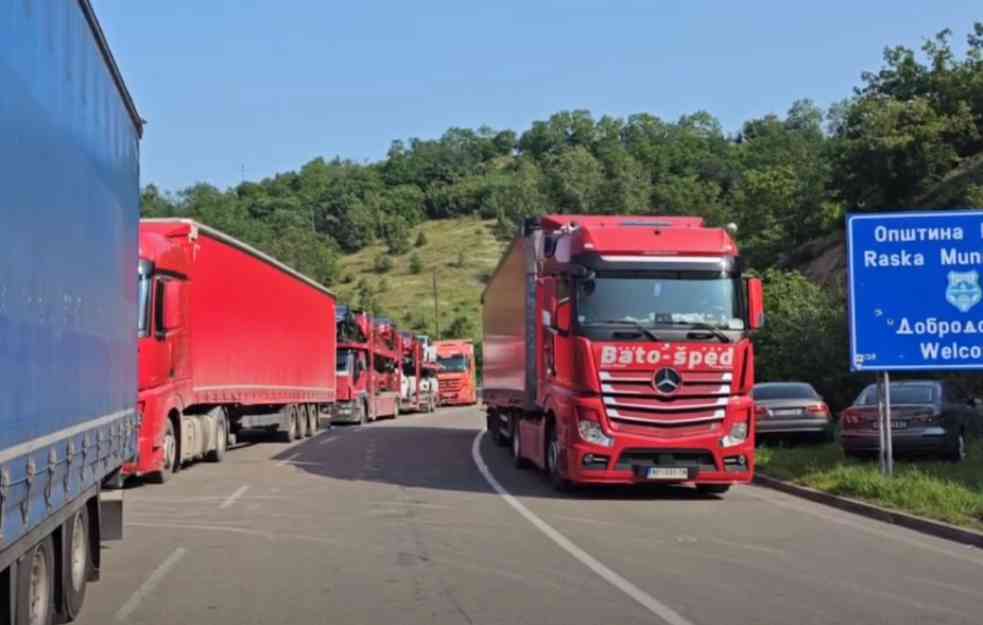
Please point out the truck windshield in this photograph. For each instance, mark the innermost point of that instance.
(670, 299)
(143, 304)
(457, 363)
(344, 364)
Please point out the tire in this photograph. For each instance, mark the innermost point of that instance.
(36, 585)
(957, 450)
(170, 457)
(517, 459)
(560, 483)
(300, 414)
(396, 410)
(221, 441)
(363, 411)
(77, 561)
(313, 419)
(289, 434)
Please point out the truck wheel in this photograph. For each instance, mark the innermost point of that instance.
(35, 585)
(313, 425)
(221, 441)
(289, 434)
(712, 489)
(361, 412)
(170, 457)
(300, 413)
(517, 459)
(77, 561)
(559, 482)
(396, 409)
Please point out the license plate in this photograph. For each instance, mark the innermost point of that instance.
(668, 473)
(895, 425)
(786, 412)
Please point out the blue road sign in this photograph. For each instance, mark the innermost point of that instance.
(915, 290)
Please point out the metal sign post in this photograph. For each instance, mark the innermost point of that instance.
(888, 429)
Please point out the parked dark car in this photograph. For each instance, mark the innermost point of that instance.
(791, 409)
(927, 417)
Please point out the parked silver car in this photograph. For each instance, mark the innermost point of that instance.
(791, 409)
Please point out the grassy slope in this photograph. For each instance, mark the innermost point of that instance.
(409, 297)
(938, 490)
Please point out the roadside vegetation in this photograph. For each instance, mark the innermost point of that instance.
(938, 490)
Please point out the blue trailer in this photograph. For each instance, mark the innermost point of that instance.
(69, 210)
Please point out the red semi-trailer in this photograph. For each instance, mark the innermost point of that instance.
(229, 339)
(457, 376)
(617, 351)
(368, 375)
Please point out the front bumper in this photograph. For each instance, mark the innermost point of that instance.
(462, 398)
(913, 440)
(628, 461)
(343, 412)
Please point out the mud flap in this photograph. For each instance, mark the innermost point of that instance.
(111, 515)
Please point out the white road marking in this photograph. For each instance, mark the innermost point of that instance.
(647, 601)
(231, 499)
(288, 459)
(149, 585)
(328, 440)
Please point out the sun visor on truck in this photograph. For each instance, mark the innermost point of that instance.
(617, 262)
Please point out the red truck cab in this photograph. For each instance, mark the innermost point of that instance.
(457, 379)
(617, 351)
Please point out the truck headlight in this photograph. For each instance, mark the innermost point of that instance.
(591, 432)
(738, 434)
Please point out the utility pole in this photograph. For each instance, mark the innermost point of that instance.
(436, 310)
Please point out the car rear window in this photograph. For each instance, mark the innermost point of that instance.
(784, 391)
(901, 394)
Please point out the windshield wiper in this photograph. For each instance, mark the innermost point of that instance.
(646, 331)
(699, 325)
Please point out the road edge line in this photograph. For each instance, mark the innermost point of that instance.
(231, 499)
(646, 600)
(938, 529)
(150, 584)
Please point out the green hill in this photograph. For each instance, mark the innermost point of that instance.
(462, 251)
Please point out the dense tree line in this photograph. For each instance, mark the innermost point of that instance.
(910, 136)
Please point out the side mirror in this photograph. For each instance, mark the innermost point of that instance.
(172, 304)
(755, 303)
(562, 318)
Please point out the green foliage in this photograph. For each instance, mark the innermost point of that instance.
(940, 490)
(421, 239)
(416, 265)
(382, 263)
(805, 338)
(460, 327)
(396, 234)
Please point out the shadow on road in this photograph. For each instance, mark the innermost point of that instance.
(440, 458)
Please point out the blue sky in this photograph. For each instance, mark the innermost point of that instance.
(267, 86)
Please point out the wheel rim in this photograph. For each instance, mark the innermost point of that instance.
(552, 454)
(80, 551)
(170, 451)
(40, 592)
(293, 426)
(515, 443)
(961, 447)
(223, 438)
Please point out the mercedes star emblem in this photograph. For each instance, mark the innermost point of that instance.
(667, 381)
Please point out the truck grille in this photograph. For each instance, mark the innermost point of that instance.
(451, 386)
(697, 407)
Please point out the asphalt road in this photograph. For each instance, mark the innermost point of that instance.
(394, 523)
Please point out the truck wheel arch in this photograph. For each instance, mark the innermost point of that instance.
(174, 416)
